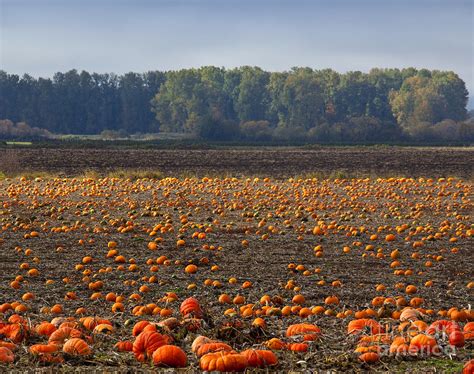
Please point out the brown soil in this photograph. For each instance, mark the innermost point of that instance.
(275, 162)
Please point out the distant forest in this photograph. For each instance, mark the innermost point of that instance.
(243, 104)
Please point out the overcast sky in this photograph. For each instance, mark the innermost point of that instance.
(41, 37)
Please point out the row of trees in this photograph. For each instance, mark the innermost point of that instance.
(81, 103)
(246, 103)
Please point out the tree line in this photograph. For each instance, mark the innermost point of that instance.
(247, 103)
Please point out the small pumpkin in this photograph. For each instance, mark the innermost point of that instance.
(124, 346)
(38, 349)
(362, 325)
(148, 342)
(138, 327)
(260, 358)
(298, 347)
(409, 314)
(456, 338)
(170, 356)
(11, 346)
(103, 328)
(468, 367)
(307, 330)
(45, 329)
(76, 347)
(275, 344)
(16, 332)
(61, 335)
(223, 362)
(212, 347)
(199, 341)
(422, 343)
(191, 307)
(6, 356)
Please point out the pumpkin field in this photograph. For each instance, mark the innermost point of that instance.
(237, 274)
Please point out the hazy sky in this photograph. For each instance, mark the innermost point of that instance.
(41, 37)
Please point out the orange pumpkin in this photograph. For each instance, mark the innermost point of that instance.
(76, 347)
(259, 358)
(6, 356)
(124, 346)
(223, 361)
(212, 347)
(307, 330)
(60, 336)
(362, 325)
(191, 307)
(148, 342)
(170, 356)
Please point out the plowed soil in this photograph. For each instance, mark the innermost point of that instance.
(274, 162)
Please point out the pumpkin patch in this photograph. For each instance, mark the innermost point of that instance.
(227, 274)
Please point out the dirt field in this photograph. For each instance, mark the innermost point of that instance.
(274, 162)
(75, 219)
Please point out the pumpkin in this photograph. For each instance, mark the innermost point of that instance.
(16, 332)
(191, 269)
(70, 324)
(11, 346)
(442, 325)
(43, 348)
(363, 325)
(399, 346)
(138, 327)
(469, 327)
(170, 356)
(103, 328)
(409, 314)
(459, 315)
(413, 328)
(212, 347)
(260, 358)
(298, 347)
(148, 342)
(89, 322)
(199, 341)
(45, 329)
(61, 335)
(456, 338)
(124, 346)
(6, 356)
(76, 347)
(423, 343)
(191, 306)
(298, 299)
(275, 344)
(223, 362)
(309, 331)
(468, 367)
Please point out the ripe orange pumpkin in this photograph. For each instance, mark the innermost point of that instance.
(148, 342)
(76, 347)
(191, 307)
(6, 356)
(170, 356)
(307, 330)
(223, 362)
(260, 358)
